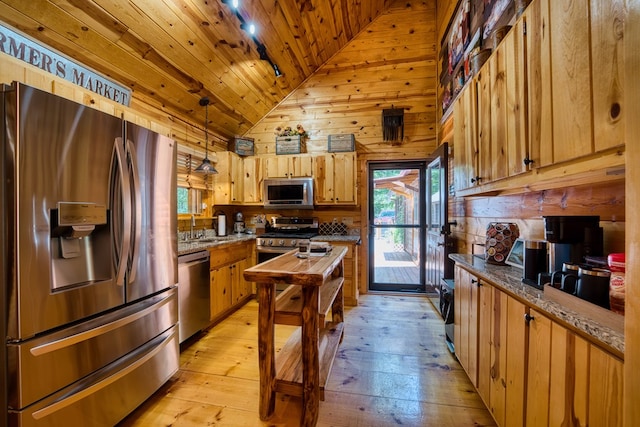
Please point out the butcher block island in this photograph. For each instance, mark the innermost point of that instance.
(315, 291)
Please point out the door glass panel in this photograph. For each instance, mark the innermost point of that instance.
(396, 216)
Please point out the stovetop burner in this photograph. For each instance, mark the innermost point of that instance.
(288, 232)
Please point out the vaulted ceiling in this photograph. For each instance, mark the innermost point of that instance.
(173, 52)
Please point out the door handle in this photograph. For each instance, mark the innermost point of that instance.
(120, 183)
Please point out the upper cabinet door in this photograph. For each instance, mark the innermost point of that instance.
(570, 79)
(465, 142)
(538, 86)
(607, 59)
(289, 166)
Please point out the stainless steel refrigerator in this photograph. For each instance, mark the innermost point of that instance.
(89, 262)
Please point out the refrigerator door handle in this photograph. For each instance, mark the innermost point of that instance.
(152, 305)
(144, 354)
(137, 211)
(120, 202)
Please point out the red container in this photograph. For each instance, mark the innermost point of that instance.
(617, 282)
(616, 262)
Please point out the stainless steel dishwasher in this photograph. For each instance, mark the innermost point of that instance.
(193, 293)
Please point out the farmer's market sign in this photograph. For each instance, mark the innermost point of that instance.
(24, 49)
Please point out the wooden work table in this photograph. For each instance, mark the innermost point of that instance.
(303, 365)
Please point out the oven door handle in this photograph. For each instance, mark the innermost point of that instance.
(266, 250)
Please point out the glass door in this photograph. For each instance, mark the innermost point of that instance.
(439, 242)
(396, 226)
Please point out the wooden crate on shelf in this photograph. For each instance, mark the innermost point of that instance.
(290, 144)
(341, 142)
(242, 146)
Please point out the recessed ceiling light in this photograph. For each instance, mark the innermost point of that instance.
(235, 3)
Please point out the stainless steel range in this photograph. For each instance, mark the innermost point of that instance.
(284, 234)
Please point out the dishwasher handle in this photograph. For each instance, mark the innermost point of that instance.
(193, 257)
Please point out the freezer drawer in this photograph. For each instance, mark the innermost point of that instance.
(44, 365)
(109, 395)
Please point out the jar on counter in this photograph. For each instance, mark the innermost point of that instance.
(617, 282)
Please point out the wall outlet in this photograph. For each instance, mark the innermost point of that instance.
(347, 220)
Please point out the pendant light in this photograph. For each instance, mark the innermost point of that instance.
(206, 167)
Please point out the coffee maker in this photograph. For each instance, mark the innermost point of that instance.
(572, 238)
(238, 225)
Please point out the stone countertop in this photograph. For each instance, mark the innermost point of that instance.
(509, 279)
(336, 238)
(211, 242)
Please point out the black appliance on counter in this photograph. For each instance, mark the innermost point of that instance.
(572, 239)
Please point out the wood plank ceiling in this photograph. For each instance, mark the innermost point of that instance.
(173, 52)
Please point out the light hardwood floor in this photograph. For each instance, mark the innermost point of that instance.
(393, 368)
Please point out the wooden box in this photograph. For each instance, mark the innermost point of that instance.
(341, 142)
(290, 144)
(242, 146)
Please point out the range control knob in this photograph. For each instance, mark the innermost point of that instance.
(281, 242)
(293, 242)
(270, 242)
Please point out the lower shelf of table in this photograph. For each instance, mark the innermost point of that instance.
(289, 359)
(289, 302)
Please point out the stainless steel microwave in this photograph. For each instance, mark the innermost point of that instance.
(288, 193)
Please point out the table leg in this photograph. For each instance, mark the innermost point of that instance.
(337, 307)
(266, 348)
(310, 358)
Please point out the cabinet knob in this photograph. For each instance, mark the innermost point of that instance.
(475, 282)
(528, 318)
(476, 179)
(527, 161)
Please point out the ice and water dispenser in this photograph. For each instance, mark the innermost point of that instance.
(80, 244)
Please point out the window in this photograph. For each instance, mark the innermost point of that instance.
(189, 200)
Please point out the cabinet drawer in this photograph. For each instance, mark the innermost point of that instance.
(228, 254)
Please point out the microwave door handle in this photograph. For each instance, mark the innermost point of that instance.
(120, 226)
(136, 211)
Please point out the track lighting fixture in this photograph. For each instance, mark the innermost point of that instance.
(251, 29)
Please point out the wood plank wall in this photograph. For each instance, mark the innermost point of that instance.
(392, 62)
(527, 210)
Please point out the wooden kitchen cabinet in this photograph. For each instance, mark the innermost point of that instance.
(509, 144)
(538, 84)
(335, 178)
(252, 180)
(228, 182)
(569, 378)
(501, 365)
(484, 122)
(548, 95)
(288, 166)
(220, 285)
(228, 287)
(465, 139)
(570, 79)
(466, 323)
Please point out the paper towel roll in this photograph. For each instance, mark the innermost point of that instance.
(222, 224)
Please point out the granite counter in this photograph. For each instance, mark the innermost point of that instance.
(509, 279)
(190, 246)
